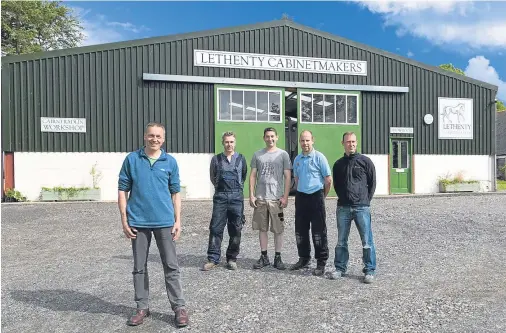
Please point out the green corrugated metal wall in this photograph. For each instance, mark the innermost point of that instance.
(104, 84)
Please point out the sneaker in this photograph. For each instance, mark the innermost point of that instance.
(232, 265)
(369, 279)
(262, 262)
(208, 266)
(302, 263)
(335, 275)
(278, 263)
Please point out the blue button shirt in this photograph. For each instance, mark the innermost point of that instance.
(311, 170)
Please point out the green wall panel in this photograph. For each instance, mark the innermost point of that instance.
(328, 137)
(249, 135)
(327, 140)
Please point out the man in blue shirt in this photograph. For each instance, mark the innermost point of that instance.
(227, 173)
(151, 178)
(313, 180)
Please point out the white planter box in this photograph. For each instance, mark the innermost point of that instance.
(460, 187)
(84, 195)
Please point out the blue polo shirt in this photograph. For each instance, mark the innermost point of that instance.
(311, 170)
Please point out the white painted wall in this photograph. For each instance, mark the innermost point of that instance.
(381, 165)
(32, 171)
(428, 168)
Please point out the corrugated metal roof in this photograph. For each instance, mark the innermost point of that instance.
(276, 23)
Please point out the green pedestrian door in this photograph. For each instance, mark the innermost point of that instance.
(400, 165)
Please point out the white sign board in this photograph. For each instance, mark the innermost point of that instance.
(455, 118)
(278, 62)
(73, 125)
(401, 130)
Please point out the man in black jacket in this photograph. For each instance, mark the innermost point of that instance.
(354, 178)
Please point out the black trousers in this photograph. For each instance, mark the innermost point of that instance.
(310, 213)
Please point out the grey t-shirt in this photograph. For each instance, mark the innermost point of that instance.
(270, 173)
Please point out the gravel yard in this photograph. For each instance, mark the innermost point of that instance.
(66, 267)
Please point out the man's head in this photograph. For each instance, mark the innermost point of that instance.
(228, 142)
(306, 141)
(154, 136)
(349, 143)
(270, 137)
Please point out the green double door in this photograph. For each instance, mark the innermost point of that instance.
(400, 165)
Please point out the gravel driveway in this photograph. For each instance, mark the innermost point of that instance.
(66, 267)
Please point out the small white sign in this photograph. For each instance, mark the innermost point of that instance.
(399, 170)
(401, 130)
(455, 118)
(72, 125)
(272, 62)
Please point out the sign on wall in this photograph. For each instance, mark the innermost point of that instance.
(73, 125)
(455, 118)
(401, 130)
(278, 62)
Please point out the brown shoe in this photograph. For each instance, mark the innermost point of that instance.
(138, 317)
(181, 317)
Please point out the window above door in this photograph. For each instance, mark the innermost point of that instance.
(329, 108)
(249, 105)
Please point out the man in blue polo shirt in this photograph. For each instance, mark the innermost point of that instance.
(313, 180)
(149, 203)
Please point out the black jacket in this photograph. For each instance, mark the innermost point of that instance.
(354, 179)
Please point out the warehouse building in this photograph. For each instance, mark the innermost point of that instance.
(65, 111)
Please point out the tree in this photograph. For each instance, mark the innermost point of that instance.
(449, 67)
(500, 106)
(34, 26)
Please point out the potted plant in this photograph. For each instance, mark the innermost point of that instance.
(183, 192)
(458, 184)
(13, 195)
(60, 193)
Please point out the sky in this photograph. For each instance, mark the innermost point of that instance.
(469, 34)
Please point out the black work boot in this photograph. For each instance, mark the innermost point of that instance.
(262, 262)
(320, 268)
(302, 263)
(278, 263)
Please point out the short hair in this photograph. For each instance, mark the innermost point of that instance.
(154, 124)
(228, 133)
(270, 129)
(307, 131)
(348, 133)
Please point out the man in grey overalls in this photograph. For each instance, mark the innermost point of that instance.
(227, 172)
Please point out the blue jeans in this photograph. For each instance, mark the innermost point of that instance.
(362, 218)
(228, 210)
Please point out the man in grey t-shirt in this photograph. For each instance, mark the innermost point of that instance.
(269, 188)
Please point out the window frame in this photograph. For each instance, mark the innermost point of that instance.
(300, 92)
(400, 155)
(267, 90)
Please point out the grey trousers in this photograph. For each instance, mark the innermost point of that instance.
(167, 249)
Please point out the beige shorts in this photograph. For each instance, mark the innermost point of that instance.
(268, 210)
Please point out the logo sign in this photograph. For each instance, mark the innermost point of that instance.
(455, 118)
(401, 130)
(270, 62)
(72, 125)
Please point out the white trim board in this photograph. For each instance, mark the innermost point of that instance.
(271, 83)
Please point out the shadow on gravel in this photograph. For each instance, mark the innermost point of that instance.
(189, 260)
(68, 300)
